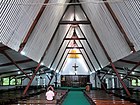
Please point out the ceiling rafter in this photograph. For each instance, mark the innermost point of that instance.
(120, 68)
(138, 64)
(108, 57)
(66, 56)
(104, 72)
(75, 39)
(17, 75)
(67, 22)
(58, 65)
(90, 47)
(59, 47)
(39, 64)
(64, 37)
(127, 61)
(15, 71)
(75, 47)
(88, 56)
(130, 44)
(32, 26)
(85, 60)
(74, 22)
(3, 48)
(17, 62)
(74, 53)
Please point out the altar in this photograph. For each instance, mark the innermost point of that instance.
(74, 80)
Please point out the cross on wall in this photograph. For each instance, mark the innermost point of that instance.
(75, 68)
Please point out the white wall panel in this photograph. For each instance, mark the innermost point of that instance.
(87, 33)
(107, 31)
(63, 61)
(82, 69)
(95, 46)
(79, 15)
(16, 19)
(61, 54)
(91, 68)
(44, 30)
(50, 55)
(128, 14)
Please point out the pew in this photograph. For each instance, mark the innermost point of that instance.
(100, 97)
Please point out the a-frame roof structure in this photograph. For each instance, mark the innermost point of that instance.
(108, 35)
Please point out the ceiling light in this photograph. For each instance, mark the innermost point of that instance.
(57, 71)
(92, 72)
(131, 52)
(133, 72)
(18, 72)
(23, 53)
(42, 63)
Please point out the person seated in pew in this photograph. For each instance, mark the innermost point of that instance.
(88, 88)
(50, 93)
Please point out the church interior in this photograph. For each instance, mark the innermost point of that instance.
(87, 50)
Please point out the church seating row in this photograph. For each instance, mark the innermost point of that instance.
(41, 99)
(100, 97)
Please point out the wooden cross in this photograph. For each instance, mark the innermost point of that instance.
(75, 67)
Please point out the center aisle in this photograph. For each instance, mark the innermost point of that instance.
(75, 98)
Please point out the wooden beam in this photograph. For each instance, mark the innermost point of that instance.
(120, 68)
(27, 69)
(75, 39)
(74, 22)
(74, 53)
(138, 64)
(32, 26)
(58, 64)
(3, 48)
(75, 47)
(17, 75)
(90, 45)
(127, 61)
(85, 60)
(130, 44)
(60, 47)
(109, 59)
(17, 62)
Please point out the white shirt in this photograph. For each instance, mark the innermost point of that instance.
(49, 95)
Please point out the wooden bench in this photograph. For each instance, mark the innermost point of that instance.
(53, 102)
(41, 99)
(102, 98)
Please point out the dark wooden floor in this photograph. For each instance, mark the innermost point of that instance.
(41, 99)
(135, 95)
(37, 97)
(12, 95)
(100, 97)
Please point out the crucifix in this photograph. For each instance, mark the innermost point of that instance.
(75, 67)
